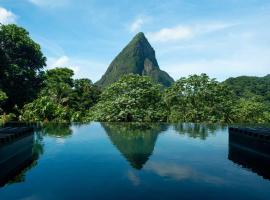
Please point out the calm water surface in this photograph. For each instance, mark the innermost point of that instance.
(131, 161)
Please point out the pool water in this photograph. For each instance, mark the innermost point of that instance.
(131, 161)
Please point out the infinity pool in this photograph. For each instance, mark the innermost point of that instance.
(131, 161)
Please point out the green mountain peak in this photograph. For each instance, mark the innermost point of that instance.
(138, 57)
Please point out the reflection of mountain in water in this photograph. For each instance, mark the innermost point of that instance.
(251, 153)
(18, 157)
(201, 131)
(136, 142)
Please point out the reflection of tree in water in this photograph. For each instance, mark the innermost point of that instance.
(135, 141)
(35, 148)
(61, 130)
(201, 131)
(32, 153)
(28, 154)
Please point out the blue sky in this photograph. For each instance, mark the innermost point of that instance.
(222, 38)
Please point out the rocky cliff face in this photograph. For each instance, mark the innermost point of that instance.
(138, 57)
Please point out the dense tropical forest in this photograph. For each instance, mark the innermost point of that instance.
(139, 92)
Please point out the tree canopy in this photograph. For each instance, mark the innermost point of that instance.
(251, 111)
(61, 99)
(21, 59)
(198, 99)
(132, 98)
(250, 86)
(85, 94)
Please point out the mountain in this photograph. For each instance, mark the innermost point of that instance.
(138, 57)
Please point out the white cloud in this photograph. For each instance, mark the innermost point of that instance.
(60, 140)
(219, 68)
(170, 170)
(212, 27)
(62, 61)
(135, 180)
(50, 3)
(170, 34)
(232, 54)
(180, 32)
(7, 17)
(136, 24)
(83, 68)
(180, 172)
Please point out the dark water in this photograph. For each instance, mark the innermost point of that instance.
(131, 161)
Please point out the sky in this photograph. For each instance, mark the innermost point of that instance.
(223, 38)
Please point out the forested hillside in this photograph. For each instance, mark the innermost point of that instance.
(250, 86)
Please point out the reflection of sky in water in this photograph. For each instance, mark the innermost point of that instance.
(126, 161)
(178, 172)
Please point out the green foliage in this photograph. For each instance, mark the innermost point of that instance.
(52, 103)
(198, 99)
(20, 61)
(253, 104)
(138, 57)
(251, 111)
(61, 99)
(85, 95)
(59, 75)
(3, 97)
(3, 116)
(132, 98)
(45, 108)
(58, 85)
(249, 86)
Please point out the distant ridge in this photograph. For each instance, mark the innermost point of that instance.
(250, 85)
(138, 57)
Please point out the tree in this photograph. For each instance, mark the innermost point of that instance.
(3, 116)
(250, 86)
(3, 98)
(251, 111)
(198, 99)
(62, 99)
(21, 60)
(45, 108)
(58, 85)
(85, 95)
(132, 98)
(52, 103)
